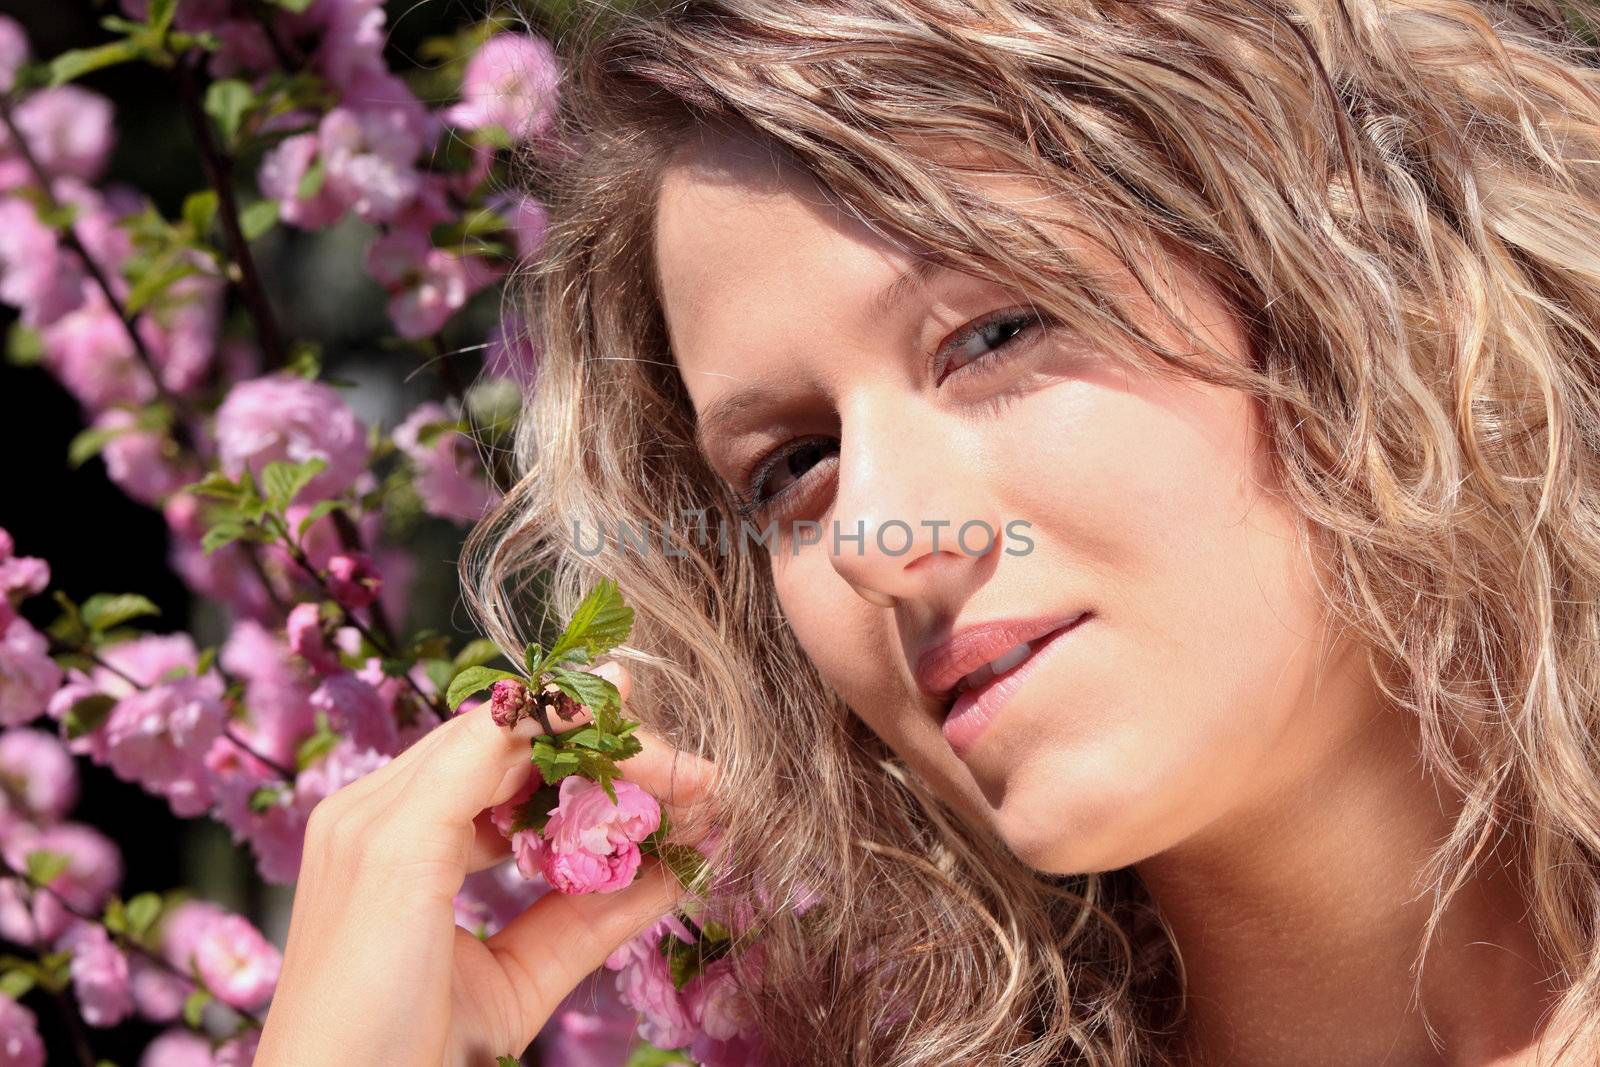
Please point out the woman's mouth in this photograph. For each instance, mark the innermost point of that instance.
(981, 694)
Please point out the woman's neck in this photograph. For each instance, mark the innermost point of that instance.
(1299, 922)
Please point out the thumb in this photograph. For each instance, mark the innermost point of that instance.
(564, 937)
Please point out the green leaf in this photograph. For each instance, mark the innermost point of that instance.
(156, 279)
(439, 672)
(645, 1054)
(88, 714)
(160, 16)
(601, 622)
(476, 653)
(266, 797)
(87, 444)
(45, 866)
(217, 486)
(104, 610)
(317, 745)
(554, 763)
(222, 534)
(24, 346)
(589, 689)
(475, 680)
(227, 101)
(688, 864)
(199, 211)
(80, 61)
(323, 509)
(208, 656)
(507, 1061)
(15, 983)
(284, 481)
(143, 911)
(194, 1007)
(258, 218)
(115, 918)
(311, 181)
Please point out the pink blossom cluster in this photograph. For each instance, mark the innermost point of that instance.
(235, 963)
(304, 695)
(589, 844)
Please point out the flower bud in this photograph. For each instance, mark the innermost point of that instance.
(509, 702)
(353, 580)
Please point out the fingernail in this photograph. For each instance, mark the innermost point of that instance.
(610, 670)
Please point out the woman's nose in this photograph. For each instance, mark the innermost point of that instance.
(910, 508)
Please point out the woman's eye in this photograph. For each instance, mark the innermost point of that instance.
(778, 473)
(988, 336)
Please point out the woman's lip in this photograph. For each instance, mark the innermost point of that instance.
(975, 708)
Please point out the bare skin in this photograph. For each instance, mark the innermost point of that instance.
(375, 971)
(1208, 726)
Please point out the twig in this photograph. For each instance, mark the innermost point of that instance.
(376, 640)
(219, 169)
(100, 661)
(127, 945)
(70, 235)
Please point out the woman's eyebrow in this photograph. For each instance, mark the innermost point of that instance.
(721, 417)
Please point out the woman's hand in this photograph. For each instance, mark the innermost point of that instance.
(376, 972)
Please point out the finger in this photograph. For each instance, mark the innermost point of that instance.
(682, 781)
(467, 764)
(587, 927)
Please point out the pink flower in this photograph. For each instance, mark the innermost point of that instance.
(303, 630)
(145, 464)
(354, 580)
(68, 128)
(93, 870)
(180, 329)
(358, 710)
(88, 349)
(28, 676)
(282, 169)
(343, 764)
(530, 220)
(239, 1051)
(159, 738)
(13, 51)
(426, 285)
(20, 1043)
(510, 82)
(715, 1002)
(644, 981)
(449, 475)
(282, 417)
(276, 694)
(370, 155)
(177, 1048)
(99, 975)
(158, 994)
(35, 277)
(527, 845)
(183, 928)
(591, 1027)
(225, 575)
(237, 963)
(511, 352)
(591, 844)
(38, 774)
(20, 576)
(276, 832)
(491, 898)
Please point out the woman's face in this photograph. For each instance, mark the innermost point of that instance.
(1203, 678)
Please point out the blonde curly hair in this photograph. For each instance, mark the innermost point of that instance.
(1401, 201)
